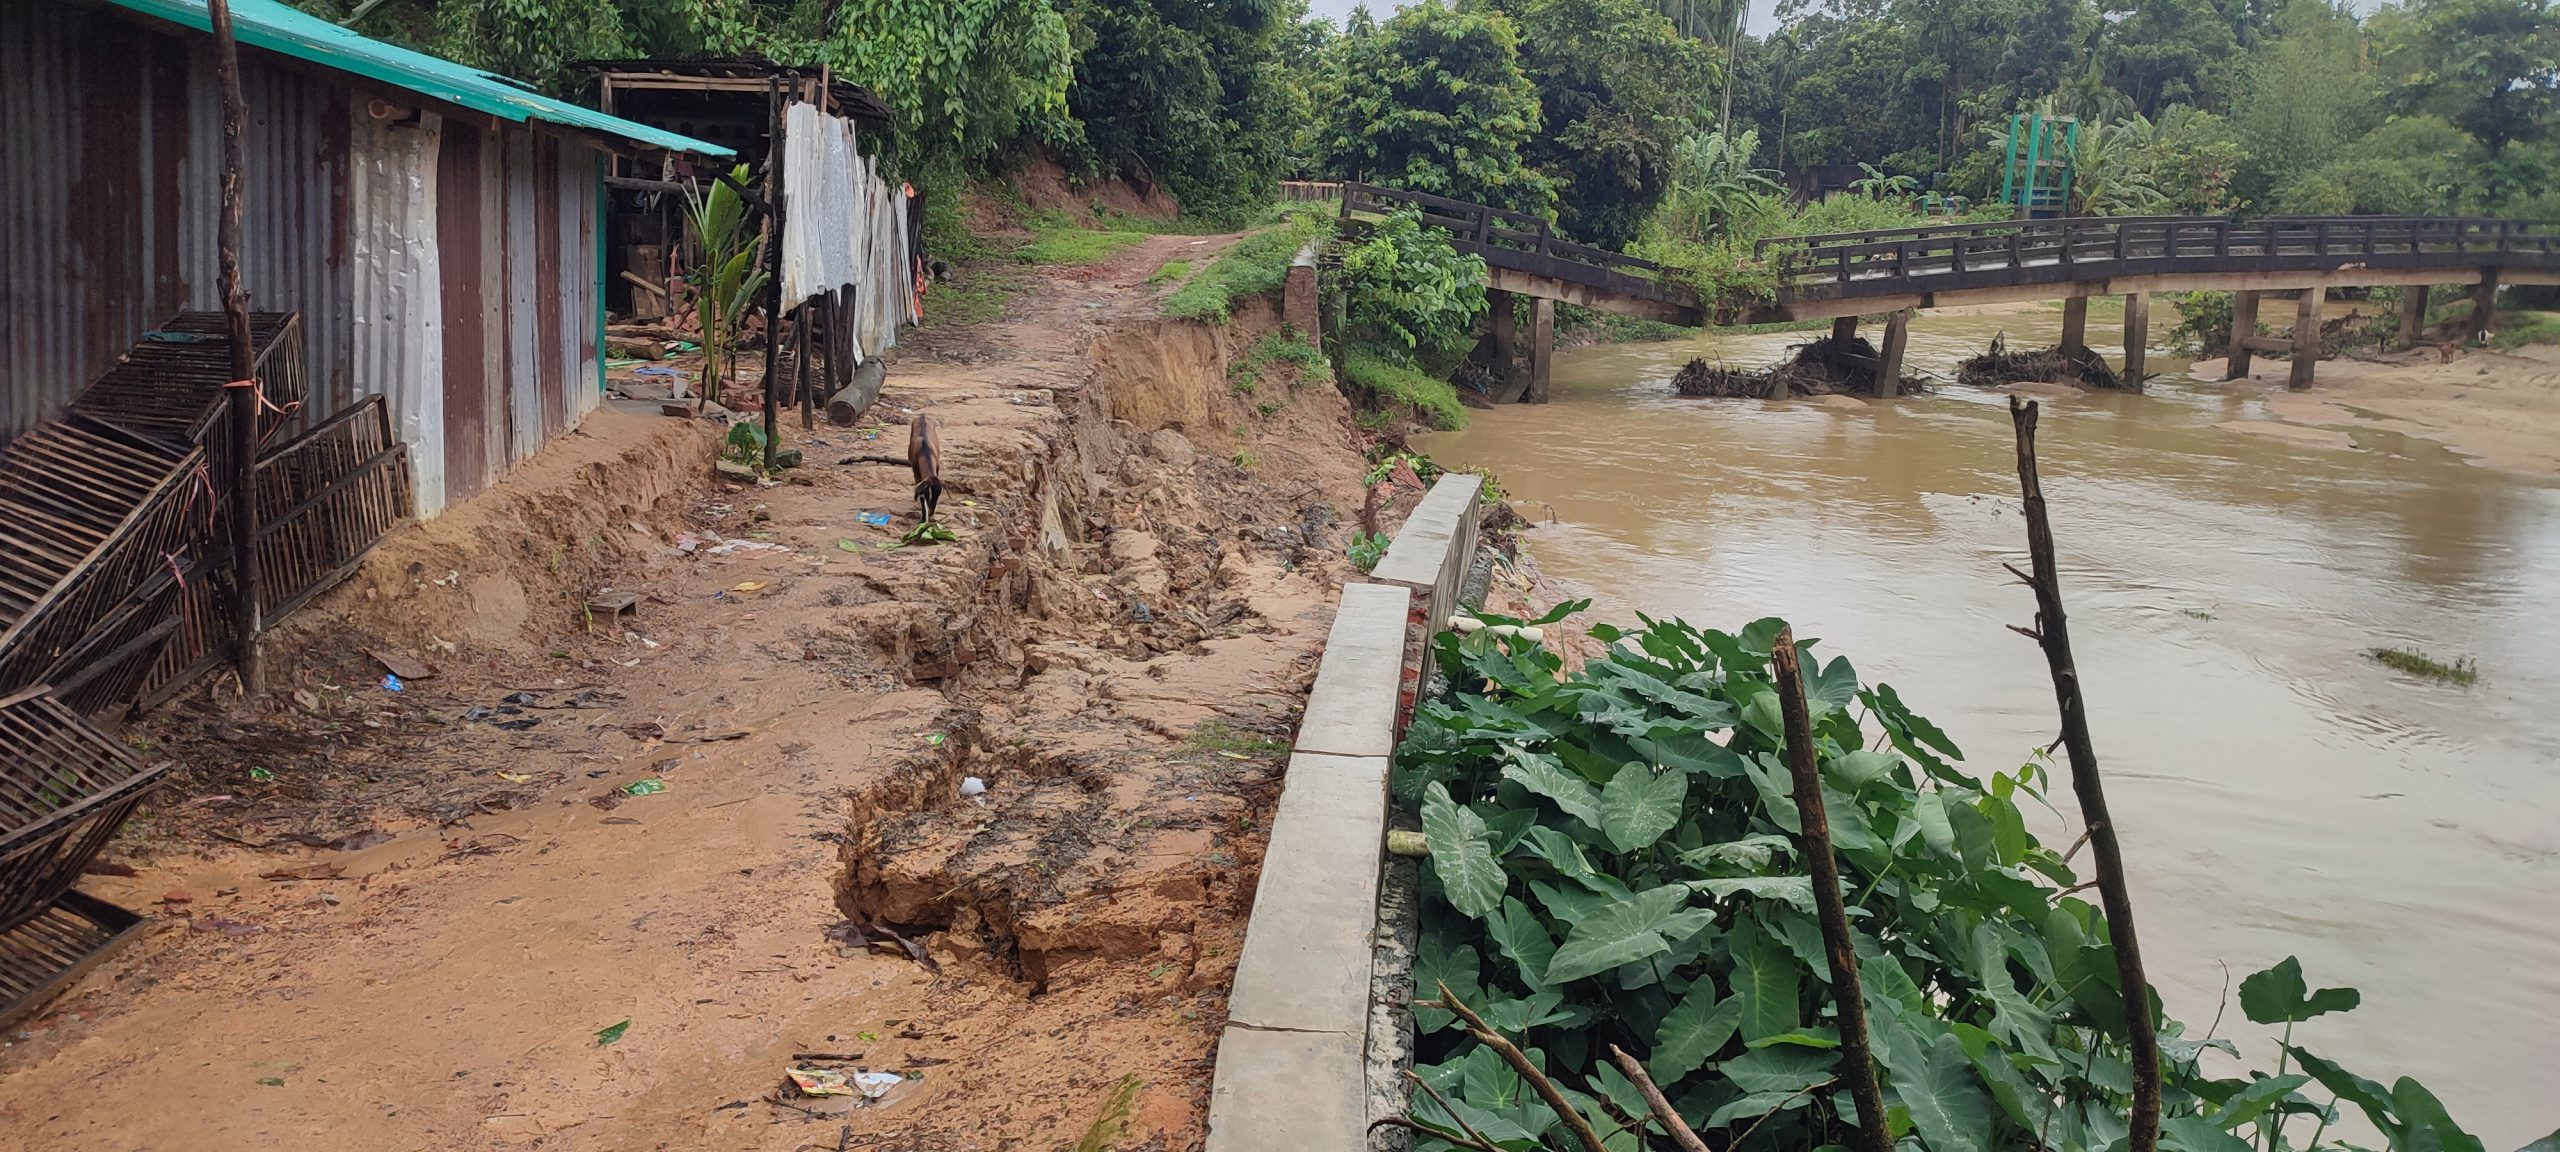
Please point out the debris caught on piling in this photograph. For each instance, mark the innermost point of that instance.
(1821, 368)
(1998, 367)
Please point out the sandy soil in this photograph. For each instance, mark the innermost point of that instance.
(2498, 409)
(391, 921)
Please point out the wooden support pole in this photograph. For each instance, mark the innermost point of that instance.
(247, 588)
(773, 271)
(2484, 303)
(1506, 337)
(2137, 337)
(800, 368)
(1542, 349)
(2413, 315)
(1897, 337)
(2306, 336)
(2244, 324)
(2075, 325)
(1843, 330)
(1813, 845)
(2052, 633)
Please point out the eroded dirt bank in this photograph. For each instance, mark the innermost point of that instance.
(1115, 647)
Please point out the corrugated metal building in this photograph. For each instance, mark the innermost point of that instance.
(438, 228)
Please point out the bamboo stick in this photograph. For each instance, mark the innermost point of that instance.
(244, 400)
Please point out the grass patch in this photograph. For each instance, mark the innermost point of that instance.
(2522, 328)
(1390, 385)
(977, 297)
(1286, 346)
(1219, 736)
(1257, 266)
(1074, 245)
(2418, 663)
(1173, 270)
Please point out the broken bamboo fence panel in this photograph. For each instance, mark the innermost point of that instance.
(1814, 844)
(2052, 633)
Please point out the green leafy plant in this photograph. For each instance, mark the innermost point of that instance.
(929, 532)
(2417, 663)
(1257, 265)
(1074, 246)
(1614, 861)
(1390, 391)
(1409, 292)
(744, 444)
(728, 276)
(1366, 549)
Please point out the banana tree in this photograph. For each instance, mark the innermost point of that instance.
(727, 276)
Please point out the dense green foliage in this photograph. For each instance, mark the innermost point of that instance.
(2266, 105)
(1614, 861)
(1432, 100)
(1617, 88)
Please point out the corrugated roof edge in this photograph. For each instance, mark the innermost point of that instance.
(289, 31)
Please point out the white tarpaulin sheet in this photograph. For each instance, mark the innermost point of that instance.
(823, 216)
(843, 228)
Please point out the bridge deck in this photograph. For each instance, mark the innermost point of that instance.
(1845, 273)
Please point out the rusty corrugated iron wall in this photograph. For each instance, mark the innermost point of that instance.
(447, 266)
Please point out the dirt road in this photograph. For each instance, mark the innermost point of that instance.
(773, 746)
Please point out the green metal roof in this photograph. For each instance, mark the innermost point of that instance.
(292, 32)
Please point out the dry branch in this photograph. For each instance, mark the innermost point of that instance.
(1519, 1063)
(1856, 1055)
(2053, 634)
(1681, 1133)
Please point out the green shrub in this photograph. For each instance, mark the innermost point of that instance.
(1409, 292)
(1382, 383)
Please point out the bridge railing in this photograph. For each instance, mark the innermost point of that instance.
(1491, 228)
(1890, 260)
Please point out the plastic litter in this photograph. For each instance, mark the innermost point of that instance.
(820, 1081)
(972, 786)
(391, 682)
(659, 370)
(874, 1085)
(875, 519)
(649, 787)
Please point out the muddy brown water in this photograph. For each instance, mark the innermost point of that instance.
(2278, 792)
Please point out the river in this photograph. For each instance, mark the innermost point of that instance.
(2278, 792)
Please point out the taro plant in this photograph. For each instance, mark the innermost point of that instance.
(1614, 862)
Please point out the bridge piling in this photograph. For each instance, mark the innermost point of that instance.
(2137, 336)
(1542, 348)
(1506, 339)
(1897, 336)
(2413, 315)
(2484, 301)
(2306, 336)
(2075, 325)
(2244, 324)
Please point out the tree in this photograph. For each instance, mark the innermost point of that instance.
(2308, 95)
(1617, 88)
(1434, 101)
(1191, 93)
(2491, 67)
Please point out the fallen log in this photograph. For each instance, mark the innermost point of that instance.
(848, 405)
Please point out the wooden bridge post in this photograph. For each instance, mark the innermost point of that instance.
(2137, 336)
(1542, 348)
(2484, 301)
(1506, 338)
(1897, 336)
(2306, 336)
(2413, 315)
(2075, 325)
(2244, 324)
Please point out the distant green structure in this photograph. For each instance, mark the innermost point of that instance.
(2038, 182)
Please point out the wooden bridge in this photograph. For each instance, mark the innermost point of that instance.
(1842, 276)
